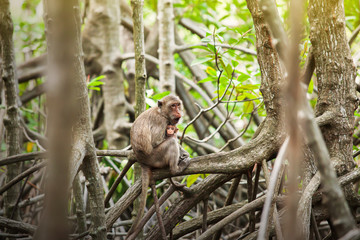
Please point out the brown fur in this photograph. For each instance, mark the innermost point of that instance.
(152, 147)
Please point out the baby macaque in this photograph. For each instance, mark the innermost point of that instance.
(171, 131)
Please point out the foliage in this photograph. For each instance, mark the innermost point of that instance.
(234, 74)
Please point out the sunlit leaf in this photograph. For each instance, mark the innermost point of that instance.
(95, 88)
(208, 79)
(234, 63)
(220, 30)
(29, 146)
(242, 77)
(311, 87)
(191, 179)
(248, 107)
(203, 48)
(211, 71)
(206, 39)
(211, 47)
(201, 60)
(160, 95)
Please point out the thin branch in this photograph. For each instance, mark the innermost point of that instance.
(206, 110)
(181, 77)
(22, 157)
(240, 135)
(276, 221)
(151, 211)
(272, 189)
(354, 35)
(229, 198)
(17, 226)
(21, 176)
(240, 101)
(233, 216)
(205, 214)
(114, 153)
(239, 48)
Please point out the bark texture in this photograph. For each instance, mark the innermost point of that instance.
(101, 46)
(61, 31)
(337, 100)
(335, 72)
(166, 45)
(140, 68)
(140, 77)
(12, 118)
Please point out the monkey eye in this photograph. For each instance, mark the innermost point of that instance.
(174, 105)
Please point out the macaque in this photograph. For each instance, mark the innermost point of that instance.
(171, 131)
(153, 148)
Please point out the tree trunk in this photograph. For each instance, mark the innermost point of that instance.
(70, 132)
(166, 45)
(101, 43)
(336, 84)
(12, 118)
(61, 30)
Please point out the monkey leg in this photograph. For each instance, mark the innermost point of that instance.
(164, 155)
(157, 210)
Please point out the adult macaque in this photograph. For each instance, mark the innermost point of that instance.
(153, 147)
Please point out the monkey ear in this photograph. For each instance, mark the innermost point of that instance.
(160, 104)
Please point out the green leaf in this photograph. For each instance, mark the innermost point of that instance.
(211, 71)
(160, 95)
(95, 88)
(311, 87)
(206, 39)
(202, 47)
(221, 39)
(97, 83)
(98, 78)
(211, 47)
(208, 79)
(220, 30)
(241, 97)
(224, 80)
(191, 179)
(229, 70)
(250, 96)
(242, 77)
(201, 60)
(224, 17)
(234, 63)
(248, 107)
(250, 40)
(246, 87)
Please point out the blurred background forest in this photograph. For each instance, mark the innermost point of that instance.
(230, 68)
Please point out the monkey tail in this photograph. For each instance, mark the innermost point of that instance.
(145, 178)
(117, 181)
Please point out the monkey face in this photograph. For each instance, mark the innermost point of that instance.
(170, 107)
(175, 112)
